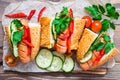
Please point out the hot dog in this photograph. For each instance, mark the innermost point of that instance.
(94, 50)
(22, 39)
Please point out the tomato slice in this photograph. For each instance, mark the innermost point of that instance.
(88, 21)
(96, 26)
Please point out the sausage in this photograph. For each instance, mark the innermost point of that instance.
(22, 52)
(84, 66)
(24, 22)
(61, 42)
(61, 49)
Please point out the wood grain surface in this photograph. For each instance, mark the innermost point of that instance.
(110, 74)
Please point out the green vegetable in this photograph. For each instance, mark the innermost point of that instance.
(98, 11)
(17, 36)
(61, 21)
(106, 37)
(112, 26)
(102, 10)
(17, 23)
(64, 11)
(98, 45)
(108, 47)
(105, 25)
(94, 12)
(111, 11)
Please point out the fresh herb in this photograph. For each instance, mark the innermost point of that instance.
(105, 25)
(17, 36)
(108, 47)
(17, 23)
(97, 46)
(94, 12)
(61, 20)
(102, 10)
(106, 38)
(64, 11)
(98, 11)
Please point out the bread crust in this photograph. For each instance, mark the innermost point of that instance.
(7, 32)
(78, 30)
(86, 41)
(35, 39)
(45, 32)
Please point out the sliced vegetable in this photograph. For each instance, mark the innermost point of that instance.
(88, 21)
(28, 43)
(44, 58)
(96, 26)
(59, 55)
(68, 64)
(102, 52)
(32, 12)
(71, 29)
(17, 15)
(56, 64)
(54, 32)
(40, 13)
(10, 60)
(16, 35)
(87, 57)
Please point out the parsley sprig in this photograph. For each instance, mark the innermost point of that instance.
(107, 44)
(107, 10)
(61, 20)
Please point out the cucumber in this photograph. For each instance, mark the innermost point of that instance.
(54, 32)
(68, 64)
(59, 55)
(12, 30)
(57, 16)
(56, 64)
(44, 58)
(87, 57)
(15, 50)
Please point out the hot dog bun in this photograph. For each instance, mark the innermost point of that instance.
(46, 34)
(22, 47)
(35, 38)
(7, 32)
(78, 30)
(86, 41)
(105, 58)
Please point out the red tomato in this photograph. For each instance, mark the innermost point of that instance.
(96, 26)
(88, 21)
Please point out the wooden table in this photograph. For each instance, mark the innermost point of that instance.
(112, 74)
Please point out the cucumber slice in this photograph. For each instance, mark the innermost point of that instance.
(44, 58)
(56, 64)
(68, 65)
(87, 57)
(15, 50)
(57, 16)
(54, 32)
(12, 30)
(59, 55)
